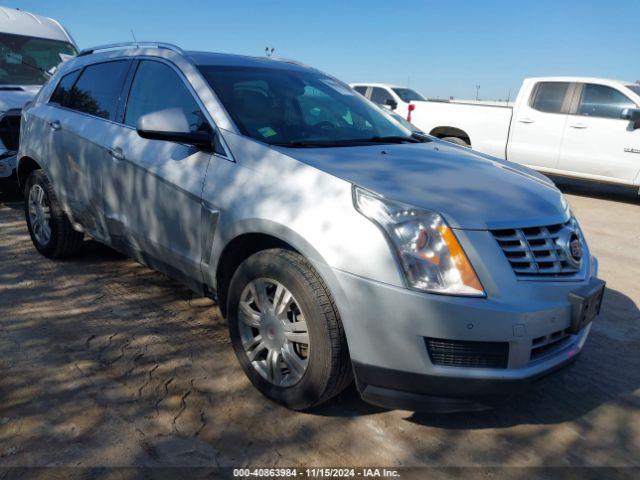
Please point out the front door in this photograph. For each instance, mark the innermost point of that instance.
(153, 188)
(597, 142)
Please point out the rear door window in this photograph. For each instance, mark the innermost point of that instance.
(602, 101)
(550, 97)
(98, 89)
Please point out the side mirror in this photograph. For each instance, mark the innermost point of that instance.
(391, 103)
(633, 115)
(171, 125)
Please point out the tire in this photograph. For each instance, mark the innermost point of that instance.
(62, 240)
(328, 368)
(456, 140)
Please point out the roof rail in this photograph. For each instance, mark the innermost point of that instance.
(125, 45)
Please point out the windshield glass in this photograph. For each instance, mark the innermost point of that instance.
(299, 108)
(634, 88)
(407, 95)
(30, 60)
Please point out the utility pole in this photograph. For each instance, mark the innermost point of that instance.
(477, 92)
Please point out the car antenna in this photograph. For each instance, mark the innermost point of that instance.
(134, 36)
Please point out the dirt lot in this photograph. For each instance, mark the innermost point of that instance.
(104, 362)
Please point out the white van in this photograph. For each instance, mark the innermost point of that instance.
(31, 47)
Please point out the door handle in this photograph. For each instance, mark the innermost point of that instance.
(55, 125)
(526, 120)
(578, 125)
(116, 153)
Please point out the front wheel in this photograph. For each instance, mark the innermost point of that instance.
(51, 232)
(286, 330)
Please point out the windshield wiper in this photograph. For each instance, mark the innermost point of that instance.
(387, 139)
(391, 139)
(300, 144)
(347, 141)
(35, 67)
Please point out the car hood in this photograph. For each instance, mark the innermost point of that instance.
(16, 96)
(471, 190)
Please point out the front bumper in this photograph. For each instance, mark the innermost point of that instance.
(387, 328)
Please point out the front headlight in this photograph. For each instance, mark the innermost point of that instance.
(428, 251)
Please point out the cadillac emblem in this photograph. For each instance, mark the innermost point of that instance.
(575, 248)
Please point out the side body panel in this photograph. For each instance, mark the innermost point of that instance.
(311, 210)
(487, 126)
(152, 197)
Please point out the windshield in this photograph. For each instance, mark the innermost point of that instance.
(407, 95)
(29, 60)
(403, 121)
(299, 108)
(634, 88)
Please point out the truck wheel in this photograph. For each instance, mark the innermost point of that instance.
(50, 229)
(456, 140)
(286, 330)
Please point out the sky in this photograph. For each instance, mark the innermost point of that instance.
(439, 48)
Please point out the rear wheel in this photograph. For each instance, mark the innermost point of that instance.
(286, 330)
(51, 232)
(456, 140)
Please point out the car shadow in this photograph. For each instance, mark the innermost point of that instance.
(605, 191)
(10, 194)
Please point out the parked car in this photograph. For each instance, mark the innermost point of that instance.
(336, 244)
(573, 126)
(394, 97)
(31, 46)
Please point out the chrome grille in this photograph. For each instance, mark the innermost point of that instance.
(538, 251)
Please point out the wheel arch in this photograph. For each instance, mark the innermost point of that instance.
(251, 237)
(25, 166)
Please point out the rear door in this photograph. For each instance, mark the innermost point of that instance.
(85, 104)
(538, 125)
(597, 142)
(153, 188)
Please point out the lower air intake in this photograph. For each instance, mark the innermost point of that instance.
(459, 353)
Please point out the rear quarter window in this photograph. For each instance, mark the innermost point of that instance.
(62, 94)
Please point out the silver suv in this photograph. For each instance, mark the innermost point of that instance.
(337, 243)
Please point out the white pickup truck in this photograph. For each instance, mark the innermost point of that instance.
(573, 126)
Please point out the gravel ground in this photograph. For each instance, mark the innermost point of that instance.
(104, 362)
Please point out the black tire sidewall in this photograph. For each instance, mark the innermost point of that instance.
(38, 177)
(307, 392)
(456, 141)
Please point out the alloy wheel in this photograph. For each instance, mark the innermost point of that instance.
(39, 214)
